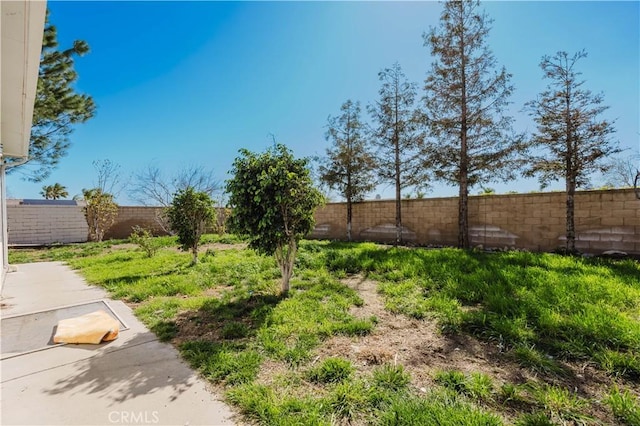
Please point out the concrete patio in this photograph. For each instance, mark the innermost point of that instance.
(133, 380)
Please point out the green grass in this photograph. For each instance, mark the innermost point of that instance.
(228, 321)
(568, 307)
(625, 406)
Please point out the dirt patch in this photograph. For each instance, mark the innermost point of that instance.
(422, 350)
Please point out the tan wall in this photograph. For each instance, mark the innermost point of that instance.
(605, 220)
(130, 216)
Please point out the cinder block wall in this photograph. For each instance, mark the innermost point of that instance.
(130, 216)
(33, 224)
(605, 220)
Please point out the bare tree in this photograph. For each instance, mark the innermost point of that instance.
(109, 178)
(622, 172)
(151, 188)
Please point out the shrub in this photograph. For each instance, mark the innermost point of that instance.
(145, 240)
(100, 212)
(189, 215)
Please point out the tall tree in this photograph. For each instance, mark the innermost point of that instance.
(273, 201)
(572, 137)
(396, 136)
(58, 107)
(54, 192)
(466, 97)
(348, 166)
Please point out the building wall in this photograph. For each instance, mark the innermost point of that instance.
(605, 220)
(37, 224)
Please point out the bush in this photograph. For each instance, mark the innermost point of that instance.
(145, 240)
(189, 215)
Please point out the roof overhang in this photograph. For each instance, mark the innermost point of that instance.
(22, 27)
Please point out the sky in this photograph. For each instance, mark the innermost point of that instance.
(180, 84)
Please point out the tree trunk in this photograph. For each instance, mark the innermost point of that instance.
(463, 194)
(571, 227)
(285, 257)
(194, 252)
(396, 142)
(349, 215)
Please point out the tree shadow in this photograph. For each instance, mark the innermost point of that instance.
(118, 372)
(219, 320)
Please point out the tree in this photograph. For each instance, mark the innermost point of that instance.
(273, 200)
(54, 192)
(396, 136)
(471, 136)
(189, 215)
(622, 173)
(58, 107)
(573, 139)
(100, 211)
(151, 187)
(348, 166)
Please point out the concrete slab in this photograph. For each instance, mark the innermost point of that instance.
(133, 380)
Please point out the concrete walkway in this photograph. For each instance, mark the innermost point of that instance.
(133, 380)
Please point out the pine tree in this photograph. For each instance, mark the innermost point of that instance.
(396, 136)
(471, 136)
(348, 167)
(573, 139)
(58, 107)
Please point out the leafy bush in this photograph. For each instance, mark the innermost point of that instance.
(100, 211)
(189, 215)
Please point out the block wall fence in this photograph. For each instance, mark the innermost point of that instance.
(605, 220)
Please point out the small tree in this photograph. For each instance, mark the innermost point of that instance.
(54, 192)
(273, 200)
(348, 166)
(573, 140)
(189, 215)
(396, 136)
(100, 212)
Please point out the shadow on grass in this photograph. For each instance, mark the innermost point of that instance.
(219, 320)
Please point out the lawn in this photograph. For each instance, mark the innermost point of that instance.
(389, 336)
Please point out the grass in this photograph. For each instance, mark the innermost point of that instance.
(570, 308)
(225, 316)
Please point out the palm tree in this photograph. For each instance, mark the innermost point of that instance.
(54, 192)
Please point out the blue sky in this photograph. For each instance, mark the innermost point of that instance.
(190, 83)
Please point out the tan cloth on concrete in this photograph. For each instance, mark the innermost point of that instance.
(92, 328)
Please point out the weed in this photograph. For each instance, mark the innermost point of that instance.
(348, 399)
(331, 370)
(529, 357)
(234, 330)
(534, 419)
(218, 362)
(478, 386)
(437, 408)
(559, 403)
(626, 364)
(391, 377)
(145, 240)
(625, 405)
